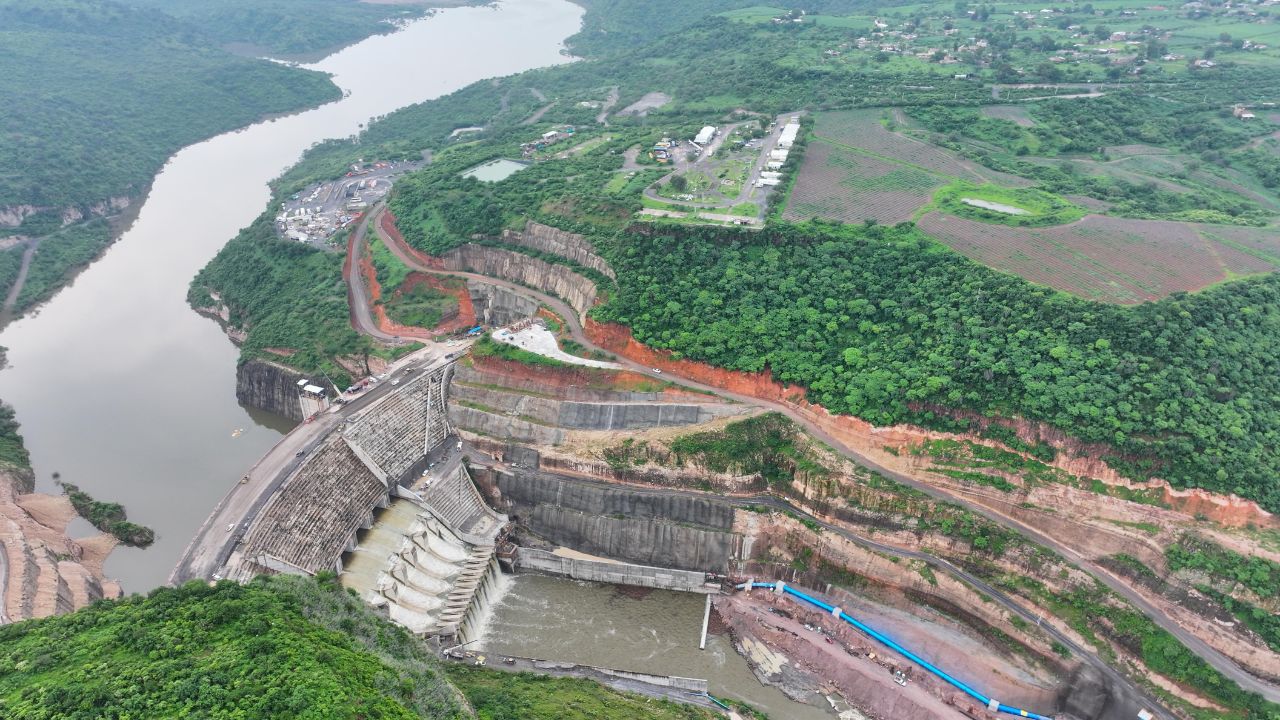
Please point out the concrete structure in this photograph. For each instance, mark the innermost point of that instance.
(384, 500)
(615, 573)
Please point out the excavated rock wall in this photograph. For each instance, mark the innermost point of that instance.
(516, 267)
(46, 572)
(269, 386)
(687, 533)
(493, 305)
(571, 246)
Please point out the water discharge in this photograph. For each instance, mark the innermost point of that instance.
(124, 390)
(653, 632)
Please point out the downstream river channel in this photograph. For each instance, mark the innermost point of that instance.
(125, 391)
(656, 632)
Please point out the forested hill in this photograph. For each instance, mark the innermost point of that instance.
(289, 27)
(279, 647)
(98, 95)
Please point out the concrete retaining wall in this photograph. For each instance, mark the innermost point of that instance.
(502, 426)
(541, 561)
(647, 542)
(530, 488)
(592, 415)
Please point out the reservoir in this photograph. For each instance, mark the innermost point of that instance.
(124, 390)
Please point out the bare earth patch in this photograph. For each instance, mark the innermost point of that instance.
(1100, 258)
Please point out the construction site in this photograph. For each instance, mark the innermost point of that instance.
(457, 493)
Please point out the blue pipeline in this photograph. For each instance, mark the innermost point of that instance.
(889, 643)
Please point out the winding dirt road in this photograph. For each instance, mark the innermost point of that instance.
(573, 322)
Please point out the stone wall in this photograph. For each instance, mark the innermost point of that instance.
(527, 488)
(614, 573)
(555, 241)
(269, 386)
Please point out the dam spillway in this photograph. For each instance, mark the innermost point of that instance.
(381, 497)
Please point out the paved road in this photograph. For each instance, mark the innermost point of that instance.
(1216, 659)
(217, 538)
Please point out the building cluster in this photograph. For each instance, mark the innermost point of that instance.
(664, 150)
(771, 174)
(548, 138)
(332, 206)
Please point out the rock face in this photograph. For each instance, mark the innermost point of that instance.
(495, 306)
(271, 387)
(555, 241)
(687, 533)
(558, 280)
(44, 572)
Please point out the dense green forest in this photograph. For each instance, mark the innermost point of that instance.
(886, 324)
(120, 89)
(288, 27)
(14, 457)
(279, 647)
(289, 295)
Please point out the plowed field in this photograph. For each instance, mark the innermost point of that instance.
(1107, 259)
(840, 184)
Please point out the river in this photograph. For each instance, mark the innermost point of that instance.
(120, 387)
(592, 624)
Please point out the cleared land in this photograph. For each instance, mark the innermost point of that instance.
(1016, 114)
(840, 184)
(1102, 258)
(863, 130)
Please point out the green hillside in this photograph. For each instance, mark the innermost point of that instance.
(282, 647)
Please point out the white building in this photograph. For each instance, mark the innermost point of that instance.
(789, 133)
(705, 135)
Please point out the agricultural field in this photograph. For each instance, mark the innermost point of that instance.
(1109, 259)
(839, 184)
(865, 132)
